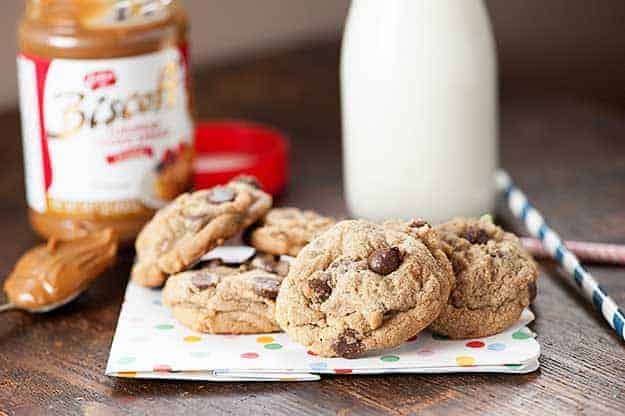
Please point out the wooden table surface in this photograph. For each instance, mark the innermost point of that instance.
(566, 151)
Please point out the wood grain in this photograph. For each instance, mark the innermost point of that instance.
(566, 150)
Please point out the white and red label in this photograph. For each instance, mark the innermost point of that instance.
(94, 131)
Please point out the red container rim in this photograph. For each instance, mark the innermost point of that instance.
(227, 148)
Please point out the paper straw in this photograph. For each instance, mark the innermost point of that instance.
(585, 251)
(537, 227)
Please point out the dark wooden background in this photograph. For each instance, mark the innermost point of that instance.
(564, 147)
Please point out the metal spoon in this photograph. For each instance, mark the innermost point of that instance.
(43, 309)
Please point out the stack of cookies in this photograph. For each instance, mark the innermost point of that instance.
(341, 289)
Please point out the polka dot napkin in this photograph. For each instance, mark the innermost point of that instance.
(149, 343)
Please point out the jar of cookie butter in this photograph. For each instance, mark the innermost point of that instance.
(106, 113)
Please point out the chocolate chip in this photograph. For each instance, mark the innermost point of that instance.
(221, 194)
(164, 246)
(268, 263)
(266, 286)
(532, 288)
(321, 288)
(196, 222)
(418, 223)
(476, 235)
(204, 280)
(385, 260)
(249, 180)
(347, 345)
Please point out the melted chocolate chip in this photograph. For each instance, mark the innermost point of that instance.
(385, 260)
(533, 291)
(418, 223)
(476, 235)
(347, 345)
(321, 288)
(249, 180)
(221, 194)
(266, 286)
(203, 280)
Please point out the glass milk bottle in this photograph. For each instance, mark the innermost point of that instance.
(419, 98)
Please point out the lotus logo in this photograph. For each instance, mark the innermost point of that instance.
(100, 79)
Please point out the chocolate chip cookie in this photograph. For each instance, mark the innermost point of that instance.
(495, 279)
(194, 223)
(222, 301)
(359, 287)
(288, 230)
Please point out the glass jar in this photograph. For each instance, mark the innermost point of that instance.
(419, 101)
(106, 112)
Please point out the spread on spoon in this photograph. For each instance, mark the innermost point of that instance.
(53, 273)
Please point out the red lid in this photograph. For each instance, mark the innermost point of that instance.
(225, 149)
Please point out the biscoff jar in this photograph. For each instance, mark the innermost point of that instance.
(106, 113)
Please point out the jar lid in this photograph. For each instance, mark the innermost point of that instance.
(225, 149)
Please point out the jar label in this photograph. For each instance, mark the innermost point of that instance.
(105, 137)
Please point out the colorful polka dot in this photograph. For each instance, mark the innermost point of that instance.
(520, 336)
(264, 340)
(475, 344)
(389, 358)
(342, 371)
(439, 337)
(318, 366)
(273, 346)
(465, 361)
(426, 352)
(126, 360)
(162, 368)
(498, 346)
(164, 327)
(192, 338)
(199, 354)
(249, 355)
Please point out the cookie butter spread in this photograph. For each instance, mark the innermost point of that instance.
(53, 273)
(107, 126)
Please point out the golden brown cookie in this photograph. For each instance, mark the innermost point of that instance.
(495, 279)
(180, 233)
(288, 230)
(224, 300)
(360, 287)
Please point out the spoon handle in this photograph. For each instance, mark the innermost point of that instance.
(7, 307)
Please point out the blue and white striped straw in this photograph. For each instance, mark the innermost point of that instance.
(536, 225)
